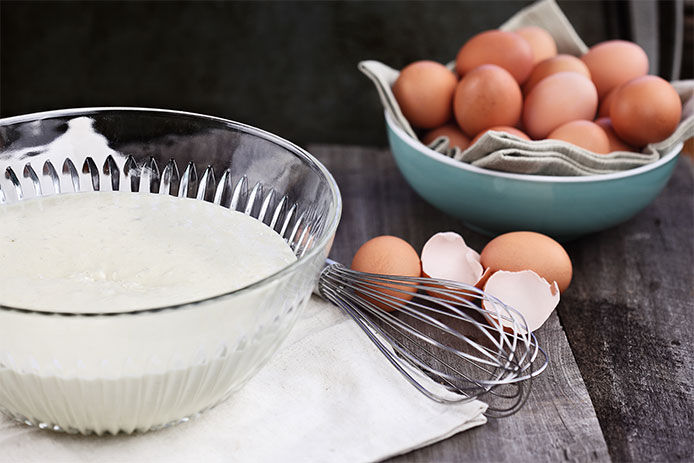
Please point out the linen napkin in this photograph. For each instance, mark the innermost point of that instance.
(326, 395)
(507, 153)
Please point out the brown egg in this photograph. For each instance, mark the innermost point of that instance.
(560, 98)
(501, 128)
(553, 65)
(645, 110)
(424, 91)
(524, 250)
(455, 136)
(615, 62)
(487, 96)
(388, 255)
(616, 143)
(586, 134)
(606, 103)
(505, 49)
(541, 42)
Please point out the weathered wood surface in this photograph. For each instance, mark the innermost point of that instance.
(624, 376)
(629, 316)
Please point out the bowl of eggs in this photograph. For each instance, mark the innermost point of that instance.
(495, 202)
(514, 135)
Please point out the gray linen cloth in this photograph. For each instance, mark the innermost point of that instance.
(504, 152)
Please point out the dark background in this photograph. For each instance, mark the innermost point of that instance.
(287, 67)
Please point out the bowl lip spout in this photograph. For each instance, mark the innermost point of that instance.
(443, 159)
(332, 221)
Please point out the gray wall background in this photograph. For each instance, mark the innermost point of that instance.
(288, 67)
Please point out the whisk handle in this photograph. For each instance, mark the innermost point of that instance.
(329, 262)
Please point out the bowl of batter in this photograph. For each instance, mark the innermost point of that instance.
(151, 262)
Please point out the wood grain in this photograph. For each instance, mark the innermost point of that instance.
(558, 423)
(629, 316)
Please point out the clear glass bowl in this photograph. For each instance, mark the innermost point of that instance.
(147, 369)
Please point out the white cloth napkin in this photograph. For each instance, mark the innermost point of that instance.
(327, 395)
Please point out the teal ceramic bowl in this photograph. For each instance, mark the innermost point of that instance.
(494, 202)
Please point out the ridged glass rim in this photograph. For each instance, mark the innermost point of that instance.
(530, 178)
(332, 221)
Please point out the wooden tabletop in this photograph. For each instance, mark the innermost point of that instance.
(619, 384)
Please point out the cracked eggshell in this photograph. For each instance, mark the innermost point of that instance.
(483, 279)
(446, 256)
(525, 291)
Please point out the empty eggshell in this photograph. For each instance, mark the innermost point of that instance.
(483, 279)
(446, 256)
(525, 291)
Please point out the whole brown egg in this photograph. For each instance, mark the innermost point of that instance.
(586, 134)
(486, 97)
(559, 63)
(616, 143)
(606, 102)
(560, 98)
(615, 62)
(505, 49)
(645, 110)
(424, 92)
(455, 136)
(541, 42)
(388, 255)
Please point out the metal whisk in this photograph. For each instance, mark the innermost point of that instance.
(443, 341)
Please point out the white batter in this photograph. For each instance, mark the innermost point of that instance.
(111, 252)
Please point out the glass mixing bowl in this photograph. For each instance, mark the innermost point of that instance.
(138, 370)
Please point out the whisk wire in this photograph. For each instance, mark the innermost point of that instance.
(421, 334)
(374, 332)
(518, 323)
(410, 356)
(422, 317)
(404, 306)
